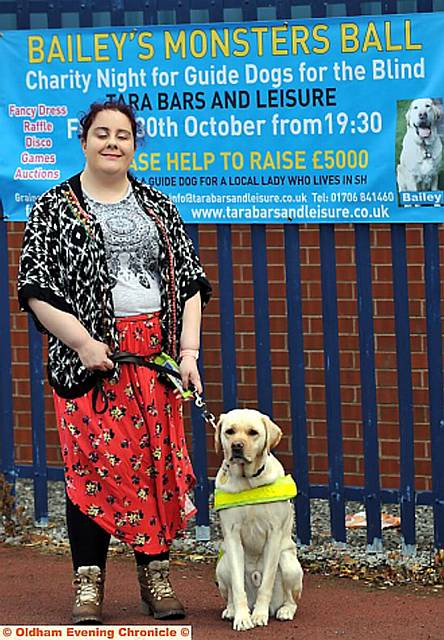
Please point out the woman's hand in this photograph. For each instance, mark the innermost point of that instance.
(189, 343)
(64, 326)
(94, 355)
(190, 373)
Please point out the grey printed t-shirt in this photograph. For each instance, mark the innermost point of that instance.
(132, 253)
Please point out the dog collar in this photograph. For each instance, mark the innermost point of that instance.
(427, 153)
(258, 472)
(282, 489)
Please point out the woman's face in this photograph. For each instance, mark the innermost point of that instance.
(109, 145)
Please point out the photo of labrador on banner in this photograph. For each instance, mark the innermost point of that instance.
(419, 152)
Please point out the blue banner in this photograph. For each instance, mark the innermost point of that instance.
(336, 120)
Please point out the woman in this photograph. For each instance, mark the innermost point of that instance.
(107, 266)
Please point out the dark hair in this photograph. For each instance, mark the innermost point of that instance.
(88, 118)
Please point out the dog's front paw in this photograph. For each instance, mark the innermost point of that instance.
(286, 612)
(260, 617)
(228, 613)
(242, 621)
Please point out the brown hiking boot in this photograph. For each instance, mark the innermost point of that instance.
(158, 597)
(89, 584)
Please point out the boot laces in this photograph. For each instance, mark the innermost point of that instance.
(160, 585)
(88, 589)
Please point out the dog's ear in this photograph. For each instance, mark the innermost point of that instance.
(274, 434)
(437, 111)
(407, 116)
(217, 433)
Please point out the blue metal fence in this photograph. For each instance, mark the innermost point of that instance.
(65, 13)
(7, 465)
(372, 497)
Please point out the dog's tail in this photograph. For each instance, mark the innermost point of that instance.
(256, 578)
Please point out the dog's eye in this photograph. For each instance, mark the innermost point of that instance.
(253, 432)
(229, 431)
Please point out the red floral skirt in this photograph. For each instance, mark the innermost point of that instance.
(129, 469)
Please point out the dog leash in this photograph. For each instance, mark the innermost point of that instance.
(200, 403)
(119, 357)
(126, 357)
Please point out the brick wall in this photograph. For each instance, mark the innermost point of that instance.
(385, 348)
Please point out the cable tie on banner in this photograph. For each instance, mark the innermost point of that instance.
(3, 216)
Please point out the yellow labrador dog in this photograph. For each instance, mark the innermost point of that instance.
(259, 573)
(421, 153)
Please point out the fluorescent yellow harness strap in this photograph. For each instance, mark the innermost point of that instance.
(282, 489)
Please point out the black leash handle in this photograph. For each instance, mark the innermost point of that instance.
(126, 357)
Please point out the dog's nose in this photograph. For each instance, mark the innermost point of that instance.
(237, 449)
